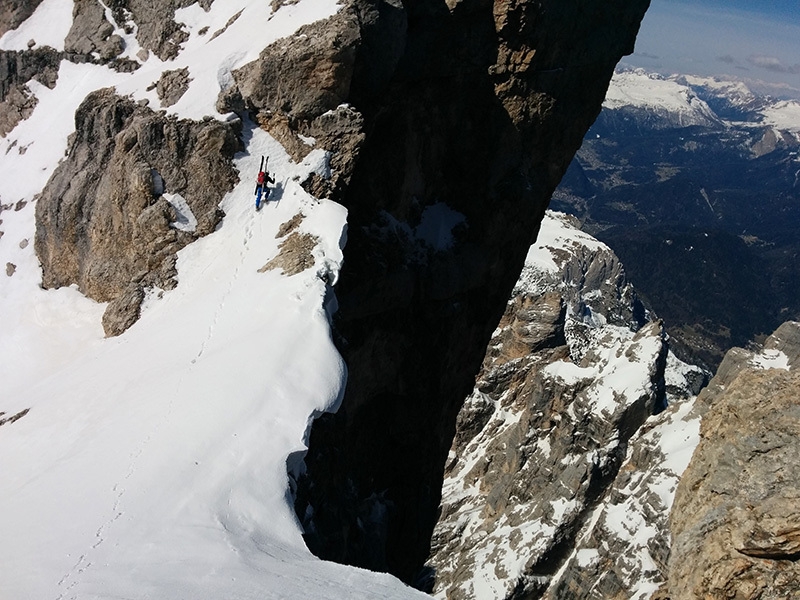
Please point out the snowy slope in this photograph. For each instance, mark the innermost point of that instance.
(153, 465)
(783, 116)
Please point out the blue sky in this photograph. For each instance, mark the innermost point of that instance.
(756, 41)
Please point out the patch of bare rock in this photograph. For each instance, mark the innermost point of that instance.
(295, 254)
(14, 12)
(171, 86)
(17, 69)
(7, 420)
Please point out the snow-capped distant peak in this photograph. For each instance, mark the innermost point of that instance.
(686, 100)
(736, 92)
(658, 94)
(783, 115)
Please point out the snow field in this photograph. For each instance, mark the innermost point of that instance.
(153, 465)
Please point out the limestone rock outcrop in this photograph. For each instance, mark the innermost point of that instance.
(104, 219)
(91, 35)
(300, 88)
(735, 522)
(172, 86)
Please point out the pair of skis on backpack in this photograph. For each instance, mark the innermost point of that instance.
(262, 183)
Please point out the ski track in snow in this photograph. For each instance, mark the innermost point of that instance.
(71, 579)
(248, 234)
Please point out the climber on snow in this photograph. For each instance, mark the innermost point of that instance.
(262, 182)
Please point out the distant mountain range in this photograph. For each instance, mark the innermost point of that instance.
(695, 183)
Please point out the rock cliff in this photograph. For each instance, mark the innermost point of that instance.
(468, 129)
(735, 519)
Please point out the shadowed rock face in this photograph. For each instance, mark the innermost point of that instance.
(103, 222)
(465, 140)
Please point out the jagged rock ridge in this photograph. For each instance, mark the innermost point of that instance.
(534, 489)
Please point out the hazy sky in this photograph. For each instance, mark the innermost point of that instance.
(754, 40)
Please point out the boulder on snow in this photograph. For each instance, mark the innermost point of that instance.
(123, 311)
(172, 86)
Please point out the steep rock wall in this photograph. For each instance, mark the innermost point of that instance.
(548, 455)
(465, 139)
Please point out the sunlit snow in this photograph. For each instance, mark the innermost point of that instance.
(154, 464)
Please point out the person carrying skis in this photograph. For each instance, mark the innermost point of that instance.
(262, 181)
